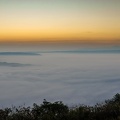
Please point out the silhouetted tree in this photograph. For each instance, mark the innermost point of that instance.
(109, 110)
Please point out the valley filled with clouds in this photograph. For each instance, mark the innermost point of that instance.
(74, 78)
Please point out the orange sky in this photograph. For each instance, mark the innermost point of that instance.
(54, 20)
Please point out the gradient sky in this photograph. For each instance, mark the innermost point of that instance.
(54, 20)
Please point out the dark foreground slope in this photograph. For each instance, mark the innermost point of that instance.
(109, 110)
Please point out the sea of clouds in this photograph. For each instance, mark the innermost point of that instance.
(74, 78)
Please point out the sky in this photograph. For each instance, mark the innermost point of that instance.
(63, 73)
(60, 20)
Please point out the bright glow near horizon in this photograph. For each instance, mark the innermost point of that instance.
(59, 20)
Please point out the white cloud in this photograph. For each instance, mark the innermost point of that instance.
(6, 64)
(71, 78)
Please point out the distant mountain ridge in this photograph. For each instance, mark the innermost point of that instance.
(19, 53)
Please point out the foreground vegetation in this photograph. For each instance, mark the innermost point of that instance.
(109, 110)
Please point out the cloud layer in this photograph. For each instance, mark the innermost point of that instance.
(72, 78)
(13, 64)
